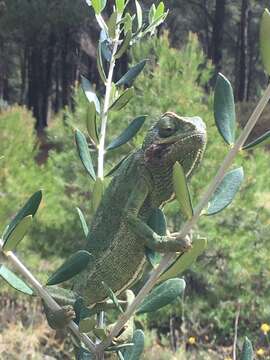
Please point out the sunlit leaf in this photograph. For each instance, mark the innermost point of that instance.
(120, 6)
(119, 347)
(132, 73)
(91, 123)
(184, 261)
(17, 234)
(151, 28)
(14, 281)
(124, 46)
(157, 222)
(135, 352)
(247, 350)
(128, 133)
(159, 11)
(89, 93)
(83, 222)
(225, 192)
(224, 109)
(100, 64)
(259, 141)
(98, 5)
(265, 40)
(123, 99)
(112, 25)
(100, 333)
(29, 208)
(151, 14)
(128, 20)
(181, 190)
(112, 296)
(71, 267)
(97, 194)
(84, 153)
(139, 14)
(162, 295)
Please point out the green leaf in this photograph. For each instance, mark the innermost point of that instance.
(119, 347)
(97, 194)
(117, 166)
(181, 190)
(157, 222)
(128, 20)
(260, 140)
(71, 267)
(100, 333)
(83, 222)
(184, 261)
(100, 64)
(112, 296)
(247, 351)
(89, 93)
(136, 351)
(83, 354)
(17, 234)
(265, 40)
(84, 153)
(139, 15)
(14, 281)
(128, 133)
(224, 109)
(151, 14)
(123, 99)
(120, 6)
(87, 324)
(91, 123)
(159, 11)
(151, 28)
(29, 208)
(98, 5)
(112, 25)
(132, 73)
(124, 46)
(225, 192)
(162, 295)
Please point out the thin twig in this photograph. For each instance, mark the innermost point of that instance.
(168, 258)
(236, 330)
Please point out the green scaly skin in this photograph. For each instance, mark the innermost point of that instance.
(119, 232)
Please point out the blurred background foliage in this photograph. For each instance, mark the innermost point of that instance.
(234, 271)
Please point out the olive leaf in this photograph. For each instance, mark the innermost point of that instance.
(87, 324)
(71, 267)
(100, 63)
(98, 5)
(112, 24)
(14, 281)
(120, 6)
(260, 140)
(84, 153)
(122, 100)
(159, 11)
(135, 352)
(29, 208)
(181, 190)
(17, 234)
(91, 123)
(184, 261)
(247, 350)
(89, 93)
(119, 347)
(128, 133)
(264, 40)
(112, 296)
(117, 166)
(97, 194)
(224, 109)
(162, 295)
(105, 44)
(139, 15)
(128, 20)
(124, 46)
(131, 74)
(225, 192)
(83, 222)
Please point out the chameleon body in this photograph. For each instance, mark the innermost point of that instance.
(119, 234)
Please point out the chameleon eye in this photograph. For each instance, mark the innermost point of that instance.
(166, 131)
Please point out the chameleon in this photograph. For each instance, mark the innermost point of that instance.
(119, 234)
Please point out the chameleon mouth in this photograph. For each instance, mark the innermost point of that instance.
(156, 151)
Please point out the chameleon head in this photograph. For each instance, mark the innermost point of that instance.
(175, 138)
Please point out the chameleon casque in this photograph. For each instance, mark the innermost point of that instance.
(119, 234)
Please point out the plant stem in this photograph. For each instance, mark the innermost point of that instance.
(52, 304)
(169, 258)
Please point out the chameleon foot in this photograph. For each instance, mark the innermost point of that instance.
(59, 319)
(176, 244)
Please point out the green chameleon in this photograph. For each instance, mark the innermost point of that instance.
(119, 234)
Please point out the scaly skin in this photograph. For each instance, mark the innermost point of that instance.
(119, 232)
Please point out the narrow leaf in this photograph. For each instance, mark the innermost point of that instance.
(124, 46)
(128, 133)
(100, 333)
(83, 222)
(224, 109)
(247, 351)
(117, 166)
(128, 20)
(17, 234)
(112, 25)
(119, 347)
(157, 222)
(160, 10)
(87, 324)
(225, 192)
(132, 73)
(151, 28)
(123, 99)
(29, 208)
(97, 194)
(84, 153)
(162, 295)
(98, 5)
(139, 15)
(260, 140)
(71, 267)
(151, 14)
(120, 6)
(90, 94)
(14, 281)
(100, 64)
(91, 123)
(181, 190)
(184, 261)
(136, 351)
(112, 296)
(265, 40)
